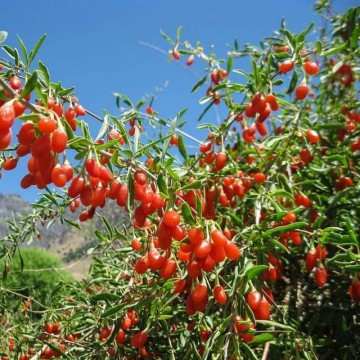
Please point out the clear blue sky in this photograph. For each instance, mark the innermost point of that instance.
(94, 45)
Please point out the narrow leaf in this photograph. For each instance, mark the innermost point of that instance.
(262, 338)
(281, 229)
(255, 271)
(191, 186)
(205, 111)
(161, 183)
(104, 128)
(45, 72)
(167, 38)
(198, 84)
(178, 33)
(334, 50)
(36, 48)
(24, 51)
(30, 85)
(229, 64)
(186, 213)
(293, 83)
(182, 147)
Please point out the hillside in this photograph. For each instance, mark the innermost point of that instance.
(63, 240)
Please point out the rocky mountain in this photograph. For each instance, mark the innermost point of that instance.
(65, 241)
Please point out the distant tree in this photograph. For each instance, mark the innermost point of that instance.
(40, 273)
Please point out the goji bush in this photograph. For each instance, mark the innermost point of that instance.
(246, 248)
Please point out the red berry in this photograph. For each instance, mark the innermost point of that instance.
(311, 259)
(7, 117)
(290, 217)
(59, 140)
(15, 82)
(259, 177)
(47, 125)
(320, 276)
(171, 218)
(190, 60)
(218, 238)
(139, 339)
(199, 293)
(286, 66)
(263, 311)
(244, 329)
(312, 136)
(253, 299)
(232, 251)
(311, 67)
(5, 138)
(176, 55)
(202, 249)
(79, 110)
(220, 294)
(220, 160)
(301, 91)
(120, 337)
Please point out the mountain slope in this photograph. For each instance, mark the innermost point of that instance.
(68, 243)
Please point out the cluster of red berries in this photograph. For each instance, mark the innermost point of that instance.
(314, 260)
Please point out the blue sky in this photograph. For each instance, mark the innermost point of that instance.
(95, 46)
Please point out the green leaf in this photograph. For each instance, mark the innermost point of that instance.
(198, 84)
(249, 351)
(335, 50)
(191, 186)
(30, 85)
(24, 51)
(121, 128)
(242, 72)
(45, 72)
(140, 103)
(205, 111)
(167, 38)
(293, 83)
(3, 36)
(56, 349)
(352, 267)
(9, 50)
(303, 34)
(126, 100)
(103, 129)
(262, 338)
(254, 271)
(161, 183)
(289, 36)
(318, 46)
(105, 297)
(115, 309)
(165, 317)
(30, 117)
(255, 72)
(178, 34)
(136, 139)
(284, 228)
(36, 48)
(284, 182)
(182, 147)
(187, 215)
(229, 64)
(278, 82)
(287, 104)
(65, 92)
(269, 323)
(279, 245)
